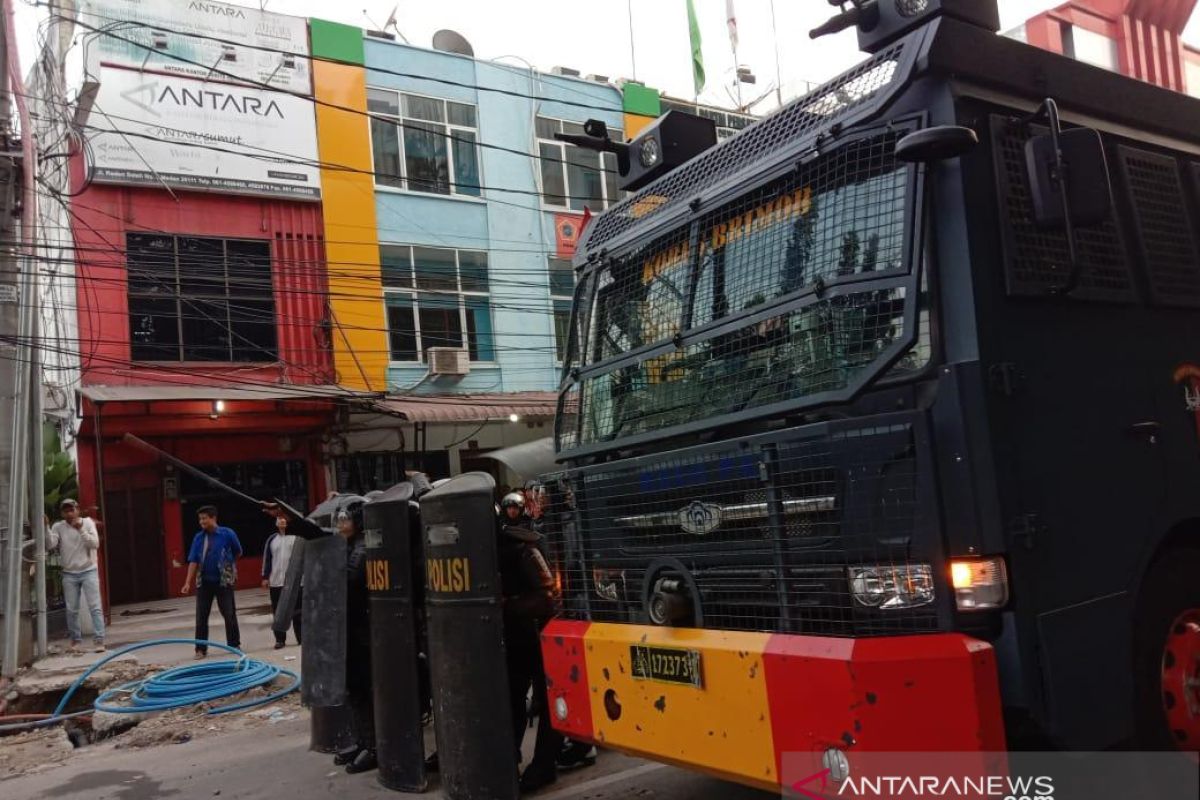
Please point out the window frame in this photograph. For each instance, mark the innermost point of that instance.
(233, 294)
(608, 161)
(461, 296)
(401, 123)
(560, 348)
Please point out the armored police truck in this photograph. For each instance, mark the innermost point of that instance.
(878, 427)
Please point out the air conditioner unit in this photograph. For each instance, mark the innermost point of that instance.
(449, 361)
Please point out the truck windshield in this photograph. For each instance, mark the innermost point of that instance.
(773, 295)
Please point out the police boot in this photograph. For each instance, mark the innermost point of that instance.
(537, 776)
(346, 756)
(363, 762)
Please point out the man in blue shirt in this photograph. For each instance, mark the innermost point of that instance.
(213, 555)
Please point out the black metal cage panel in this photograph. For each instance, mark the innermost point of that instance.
(760, 534)
(822, 107)
(696, 324)
(1036, 259)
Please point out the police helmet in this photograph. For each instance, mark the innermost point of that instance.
(512, 499)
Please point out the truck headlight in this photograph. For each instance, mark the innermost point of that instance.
(892, 587)
(979, 583)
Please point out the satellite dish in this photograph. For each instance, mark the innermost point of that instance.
(452, 42)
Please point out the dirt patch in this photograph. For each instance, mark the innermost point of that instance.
(46, 748)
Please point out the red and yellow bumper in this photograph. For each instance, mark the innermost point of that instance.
(766, 695)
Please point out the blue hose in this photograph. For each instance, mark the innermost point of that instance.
(186, 685)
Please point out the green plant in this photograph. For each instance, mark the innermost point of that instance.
(59, 477)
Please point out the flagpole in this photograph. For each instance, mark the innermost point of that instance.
(731, 24)
(632, 49)
(775, 39)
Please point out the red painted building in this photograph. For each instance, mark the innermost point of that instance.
(204, 331)
(1139, 38)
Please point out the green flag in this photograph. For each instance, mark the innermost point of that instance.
(697, 51)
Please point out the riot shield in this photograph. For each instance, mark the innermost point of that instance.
(399, 742)
(323, 656)
(466, 641)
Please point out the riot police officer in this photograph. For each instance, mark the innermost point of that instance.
(530, 600)
(361, 756)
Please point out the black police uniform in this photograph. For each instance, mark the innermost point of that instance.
(529, 602)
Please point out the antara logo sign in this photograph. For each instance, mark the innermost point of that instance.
(149, 96)
(219, 10)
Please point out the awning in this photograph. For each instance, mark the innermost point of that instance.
(471, 407)
(528, 460)
(268, 391)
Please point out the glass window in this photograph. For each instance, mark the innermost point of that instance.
(554, 184)
(381, 101)
(414, 148)
(441, 321)
(195, 298)
(385, 147)
(473, 270)
(575, 177)
(396, 264)
(562, 278)
(460, 114)
(426, 160)
(402, 330)
(451, 308)
(562, 327)
(435, 269)
(466, 162)
(583, 178)
(425, 108)
(480, 339)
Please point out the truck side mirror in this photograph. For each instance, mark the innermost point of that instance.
(1081, 167)
(939, 143)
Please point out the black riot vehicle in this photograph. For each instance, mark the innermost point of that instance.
(878, 427)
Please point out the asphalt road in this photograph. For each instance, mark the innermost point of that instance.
(273, 762)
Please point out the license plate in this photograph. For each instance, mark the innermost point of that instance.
(667, 664)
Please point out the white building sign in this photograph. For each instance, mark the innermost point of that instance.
(223, 40)
(203, 135)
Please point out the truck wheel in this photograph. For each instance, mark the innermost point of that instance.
(1167, 638)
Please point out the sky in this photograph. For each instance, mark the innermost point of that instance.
(594, 37)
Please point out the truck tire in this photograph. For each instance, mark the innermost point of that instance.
(1167, 652)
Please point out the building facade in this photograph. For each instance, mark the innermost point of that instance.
(202, 293)
(1138, 38)
(450, 244)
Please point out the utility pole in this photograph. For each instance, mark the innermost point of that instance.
(10, 292)
(26, 383)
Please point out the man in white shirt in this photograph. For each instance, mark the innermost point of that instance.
(77, 540)
(276, 556)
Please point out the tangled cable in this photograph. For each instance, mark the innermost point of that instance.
(190, 684)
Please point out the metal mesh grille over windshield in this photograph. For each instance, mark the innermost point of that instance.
(755, 144)
(841, 217)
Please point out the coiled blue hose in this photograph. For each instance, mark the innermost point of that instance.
(187, 685)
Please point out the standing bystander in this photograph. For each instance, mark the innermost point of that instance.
(212, 570)
(276, 555)
(76, 539)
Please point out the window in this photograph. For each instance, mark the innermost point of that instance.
(193, 298)
(436, 298)
(1090, 47)
(574, 177)
(429, 147)
(562, 288)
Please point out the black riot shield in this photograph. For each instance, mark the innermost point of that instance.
(331, 729)
(399, 742)
(323, 656)
(466, 641)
